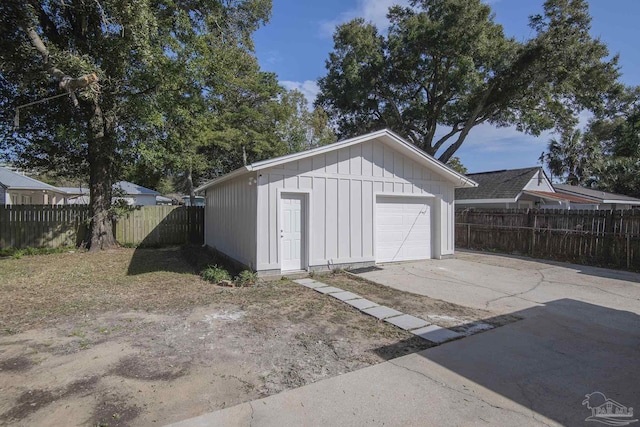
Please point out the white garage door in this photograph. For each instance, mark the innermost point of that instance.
(403, 229)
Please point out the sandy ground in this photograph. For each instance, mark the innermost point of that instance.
(154, 346)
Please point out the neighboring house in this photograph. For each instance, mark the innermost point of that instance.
(136, 195)
(165, 201)
(76, 195)
(18, 189)
(370, 199)
(513, 188)
(133, 194)
(186, 200)
(598, 199)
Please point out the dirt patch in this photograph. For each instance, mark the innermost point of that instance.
(33, 400)
(20, 363)
(136, 367)
(114, 414)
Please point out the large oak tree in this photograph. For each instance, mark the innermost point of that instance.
(446, 63)
(119, 62)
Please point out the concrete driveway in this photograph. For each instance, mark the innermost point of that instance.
(580, 334)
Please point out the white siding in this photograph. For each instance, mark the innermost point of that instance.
(342, 187)
(539, 183)
(230, 219)
(144, 199)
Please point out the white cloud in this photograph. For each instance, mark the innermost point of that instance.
(374, 11)
(309, 89)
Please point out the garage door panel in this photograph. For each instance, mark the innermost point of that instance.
(403, 229)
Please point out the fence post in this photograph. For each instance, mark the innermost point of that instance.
(628, 251)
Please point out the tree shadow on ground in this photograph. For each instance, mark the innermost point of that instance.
(547, 363)
(185, 259)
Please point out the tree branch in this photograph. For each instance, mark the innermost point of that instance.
(68, 83)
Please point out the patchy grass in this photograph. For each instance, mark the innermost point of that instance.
(40, 290)
(137, 337)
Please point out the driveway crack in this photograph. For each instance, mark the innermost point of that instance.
(518, 294)
(252, 411)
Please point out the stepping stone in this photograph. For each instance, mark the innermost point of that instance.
(382, 312)
(345, 296)
(407, 322)
(361, 304)
(328, 290)
(313, 284)
(436, 334)
(304, 281)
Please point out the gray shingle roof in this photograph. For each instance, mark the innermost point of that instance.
(75, 190)
(13, 180)
(131, 188)
(503, 184)
(593, 194)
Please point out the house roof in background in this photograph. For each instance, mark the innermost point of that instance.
(135, 189)
(15, 181)
(595, 195)
(385, 135)
(75, 191)
(502, 184)
(560, 196)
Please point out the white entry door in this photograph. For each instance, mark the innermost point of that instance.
(403, 229)
(292, 232)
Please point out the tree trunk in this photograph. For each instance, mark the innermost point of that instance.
(193, 232)
(100, 181)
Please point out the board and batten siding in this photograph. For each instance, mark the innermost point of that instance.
(342, 186)
(230, 219)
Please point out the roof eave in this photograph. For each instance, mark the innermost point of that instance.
(234, 174)
(622, 202)
(469, 201)
(458, 179)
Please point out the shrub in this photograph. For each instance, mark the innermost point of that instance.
(246, 278)
(215, 274)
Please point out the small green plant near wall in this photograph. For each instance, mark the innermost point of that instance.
(215, 274)
(246, 278)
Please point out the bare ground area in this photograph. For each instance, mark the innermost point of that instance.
(135, 337)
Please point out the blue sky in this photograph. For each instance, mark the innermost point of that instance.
(297, 41)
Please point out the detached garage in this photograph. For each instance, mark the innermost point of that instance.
(366, 200)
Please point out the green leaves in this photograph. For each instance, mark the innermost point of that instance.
(607, 155)
(446, 63)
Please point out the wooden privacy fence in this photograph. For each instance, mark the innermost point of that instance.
(602, 238)
(161, 225)
(41, 226)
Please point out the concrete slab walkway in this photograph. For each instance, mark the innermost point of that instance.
(403, 321)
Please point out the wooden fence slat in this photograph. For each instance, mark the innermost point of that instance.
(25, 226)
(603, 238)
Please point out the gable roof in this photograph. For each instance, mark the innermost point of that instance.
(502, 184)
(14, 181)
(595, 195)
(384, 135)
(134, 189)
